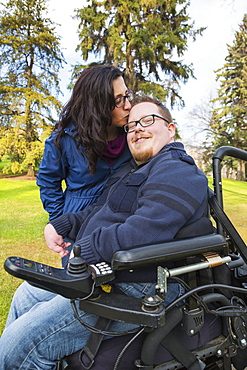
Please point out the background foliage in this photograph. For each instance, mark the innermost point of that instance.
(230, 118)
(30, 58)
(223, 118)
(147, 38)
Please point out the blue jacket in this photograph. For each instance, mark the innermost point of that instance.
(81, 188)
(148, 204)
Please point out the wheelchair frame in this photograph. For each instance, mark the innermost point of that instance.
(223, 248)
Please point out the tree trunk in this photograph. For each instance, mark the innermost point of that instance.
(241, 175)
(30, 171)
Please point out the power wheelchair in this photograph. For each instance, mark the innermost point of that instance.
(205, 328)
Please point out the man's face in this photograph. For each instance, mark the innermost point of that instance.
(146, 142)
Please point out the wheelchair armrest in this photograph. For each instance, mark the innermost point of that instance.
(169, 251)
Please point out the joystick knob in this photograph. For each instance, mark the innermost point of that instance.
(77, 265)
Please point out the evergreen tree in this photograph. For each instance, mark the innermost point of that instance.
(230, 117)
(145, 37)
(30, 59)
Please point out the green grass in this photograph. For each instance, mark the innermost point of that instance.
(235, 203)
(22, 221)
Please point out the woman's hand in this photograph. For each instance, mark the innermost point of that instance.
(55, 241)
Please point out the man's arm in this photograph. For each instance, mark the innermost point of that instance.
(54, 235)
(69, 224)
(173, 194)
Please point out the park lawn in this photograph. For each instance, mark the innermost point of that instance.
(235, 203)
(22, 222)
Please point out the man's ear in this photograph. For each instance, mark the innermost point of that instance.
(172, 129)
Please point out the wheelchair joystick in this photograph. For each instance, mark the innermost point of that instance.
(77, 265)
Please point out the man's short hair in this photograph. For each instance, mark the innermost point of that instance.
(145, 98)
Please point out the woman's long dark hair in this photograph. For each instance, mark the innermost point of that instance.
(90, 109)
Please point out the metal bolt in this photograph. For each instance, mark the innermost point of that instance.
(219, 353)
(243, 342)
(192, 332)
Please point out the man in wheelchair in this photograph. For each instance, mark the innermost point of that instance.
(160, 197)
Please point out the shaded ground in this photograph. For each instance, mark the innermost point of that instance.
(17, 177)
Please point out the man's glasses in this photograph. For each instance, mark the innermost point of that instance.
(144, 122)
(120, 100)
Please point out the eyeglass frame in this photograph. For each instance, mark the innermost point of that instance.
(124, 98)
(125, 127)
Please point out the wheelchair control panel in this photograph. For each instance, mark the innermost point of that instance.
(102, 272)
(75, 282)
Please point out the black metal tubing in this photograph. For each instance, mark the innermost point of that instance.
(217, 158)
(125, 308)
(154, 338)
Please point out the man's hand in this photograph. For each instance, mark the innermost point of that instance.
(55, 242)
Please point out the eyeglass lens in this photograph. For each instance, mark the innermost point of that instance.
(144, 121)
(120, 101)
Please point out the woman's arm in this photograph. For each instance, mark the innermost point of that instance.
(51, 172)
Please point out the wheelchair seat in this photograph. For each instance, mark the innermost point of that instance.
(212, 343)
(163, 253)
(111, 348)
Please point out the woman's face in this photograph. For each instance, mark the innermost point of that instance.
(120, 115)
